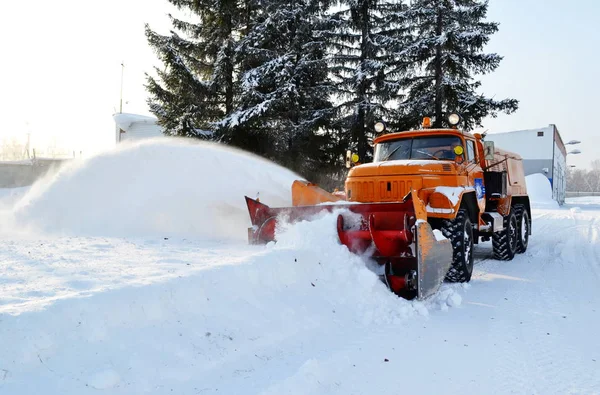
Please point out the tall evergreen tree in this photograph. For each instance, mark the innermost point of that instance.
(446, 53)
(196, 87)
(367, 40)
(284, 90)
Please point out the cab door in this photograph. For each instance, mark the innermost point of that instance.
(475, 173)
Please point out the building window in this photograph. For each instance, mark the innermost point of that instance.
(540, 134)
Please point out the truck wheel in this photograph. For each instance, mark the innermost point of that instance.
(504, 242)
(460, 233)
(523, 224)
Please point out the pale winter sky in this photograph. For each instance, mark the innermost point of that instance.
(60, 71)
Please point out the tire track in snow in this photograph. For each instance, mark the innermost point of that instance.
(594, 248)
(516, 365)
(542, 354)
(560, 294)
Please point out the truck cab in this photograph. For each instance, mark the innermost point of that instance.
(441, 164)
(471, 190)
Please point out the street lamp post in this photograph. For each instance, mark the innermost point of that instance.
(573, 152)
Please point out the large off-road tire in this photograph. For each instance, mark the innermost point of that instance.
(523, 228)
(504, 242)
(460, 233)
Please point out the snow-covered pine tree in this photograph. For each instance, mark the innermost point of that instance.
(284, 108)
(446, 53)
(196, 87)
(367, 40)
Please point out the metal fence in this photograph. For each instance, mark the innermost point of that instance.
(581, 194)
(24, 173)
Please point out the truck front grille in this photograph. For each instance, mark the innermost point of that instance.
(379, 191)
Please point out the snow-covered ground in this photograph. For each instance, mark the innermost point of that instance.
(105, 287)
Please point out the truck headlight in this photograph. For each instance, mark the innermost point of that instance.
(454, 119)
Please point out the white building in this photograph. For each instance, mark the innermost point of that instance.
(132, 127)
(543, 151)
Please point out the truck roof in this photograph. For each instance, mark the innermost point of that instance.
(420, 132)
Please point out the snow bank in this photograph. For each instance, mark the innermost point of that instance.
(207, 326)
(163, 187)
(298, 317)
(540, 191)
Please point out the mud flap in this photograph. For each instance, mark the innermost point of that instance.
(434, 258)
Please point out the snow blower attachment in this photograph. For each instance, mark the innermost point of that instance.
(395, 235)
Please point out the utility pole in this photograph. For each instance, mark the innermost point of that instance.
(121, 102)
(28, 144)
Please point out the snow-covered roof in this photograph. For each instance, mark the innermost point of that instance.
(125, 120)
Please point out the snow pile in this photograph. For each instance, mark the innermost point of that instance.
(298, 317)
(235, 327)
(335, 271)
(540, 191)
(163, 187)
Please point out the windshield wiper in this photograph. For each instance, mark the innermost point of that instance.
(391, 153)
(428, 154)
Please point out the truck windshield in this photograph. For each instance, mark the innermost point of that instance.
(434, 147)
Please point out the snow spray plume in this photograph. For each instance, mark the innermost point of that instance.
(163, 187)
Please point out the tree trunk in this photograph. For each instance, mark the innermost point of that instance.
(360, 135)
(228, 37)
(439, 72)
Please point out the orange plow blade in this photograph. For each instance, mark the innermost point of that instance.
(396, 235)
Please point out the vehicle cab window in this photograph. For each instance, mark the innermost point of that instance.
(471, 156)
(437, 147)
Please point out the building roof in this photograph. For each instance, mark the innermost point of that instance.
(552, 127)
(524, 130)
(125, 120)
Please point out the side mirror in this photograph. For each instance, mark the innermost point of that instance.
(489, 149)
(351, 159)
(458, 154)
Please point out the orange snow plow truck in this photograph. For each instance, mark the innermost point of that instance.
(419, 208)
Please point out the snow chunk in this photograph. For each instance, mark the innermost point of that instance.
(105, 379)
(446, 297)
(439, 236)
(453, 193)
(454, 300)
